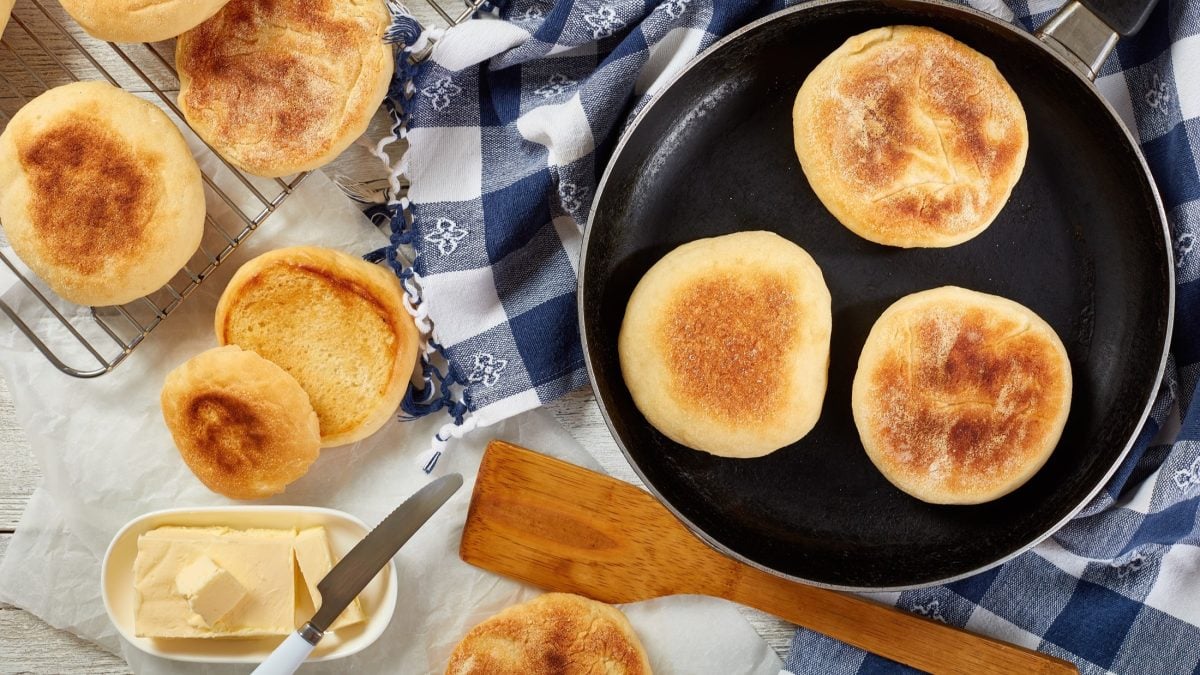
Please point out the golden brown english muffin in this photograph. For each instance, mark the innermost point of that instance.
(283, 86)
(960, 396)
(241, 423)
(336, 323)
(99, 193)
(139, 20)
(909, 137)
(725, 344)
(556, 633)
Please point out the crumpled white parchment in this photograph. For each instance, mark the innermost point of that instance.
(107, 457)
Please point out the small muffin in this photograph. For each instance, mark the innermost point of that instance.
(284, 86)
(909, 137)
(334, 322)
(99, 194)
(556, 633)
(140, 20)
(960, 396)
(725, 344)
(241, 423)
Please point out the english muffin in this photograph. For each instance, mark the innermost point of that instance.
(139, 20)
(725, 344)
(556, 633)
(909, 137)
(99, 194)
(334, 322)
(960, 396)
(284, 86)
(241, 423)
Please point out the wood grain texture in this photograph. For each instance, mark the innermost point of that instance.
(39, 50)
(565, 528)
(30, 645)
(19, 474)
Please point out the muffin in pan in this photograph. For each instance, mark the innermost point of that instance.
(960, 396)
(725, 344)
(909, 137)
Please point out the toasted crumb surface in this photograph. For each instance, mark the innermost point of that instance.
(334, 322)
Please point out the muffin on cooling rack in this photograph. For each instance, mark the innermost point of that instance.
(99, 193)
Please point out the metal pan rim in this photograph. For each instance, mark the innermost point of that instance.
(1131, 143)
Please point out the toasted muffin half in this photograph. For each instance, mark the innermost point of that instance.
(960, 396)
(909, 137)
(334, 322)
(557, 633)
(725, 344)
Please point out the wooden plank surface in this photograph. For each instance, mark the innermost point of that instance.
(39, 50)
(19, 474)
(27, 644)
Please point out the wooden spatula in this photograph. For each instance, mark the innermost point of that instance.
(564, 528)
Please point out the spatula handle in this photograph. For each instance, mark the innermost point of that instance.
(929, 645)
(564, 528)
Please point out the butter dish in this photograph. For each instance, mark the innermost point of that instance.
(378, 600)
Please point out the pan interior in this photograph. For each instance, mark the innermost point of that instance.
(1080, 242)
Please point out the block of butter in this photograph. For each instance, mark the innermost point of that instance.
(315, 559)
(260, 562)
(219, 582)
(211, 591)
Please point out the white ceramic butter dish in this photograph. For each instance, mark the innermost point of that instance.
(378, 599)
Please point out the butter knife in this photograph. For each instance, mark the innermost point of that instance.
(352, 573)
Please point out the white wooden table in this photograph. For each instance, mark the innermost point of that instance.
(29, 645)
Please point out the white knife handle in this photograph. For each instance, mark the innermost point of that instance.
(287, 657)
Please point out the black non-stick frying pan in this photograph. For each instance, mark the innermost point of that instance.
(1083, 242)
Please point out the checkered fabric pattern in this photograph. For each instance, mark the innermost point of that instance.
(510, 121)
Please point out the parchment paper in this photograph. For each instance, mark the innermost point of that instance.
(107, 457)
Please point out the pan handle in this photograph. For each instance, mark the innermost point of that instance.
(1085, 33)
(1125, 16)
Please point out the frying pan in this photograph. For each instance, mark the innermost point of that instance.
(1083, 242)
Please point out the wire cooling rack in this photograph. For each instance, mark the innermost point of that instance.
(467, 9)
(42, 48)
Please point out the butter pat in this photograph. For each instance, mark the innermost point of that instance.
(211, 591)
(315, 559)
(260, 561)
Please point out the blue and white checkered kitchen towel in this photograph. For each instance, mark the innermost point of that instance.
(509, 122)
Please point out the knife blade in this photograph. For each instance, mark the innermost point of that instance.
(353, 572)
